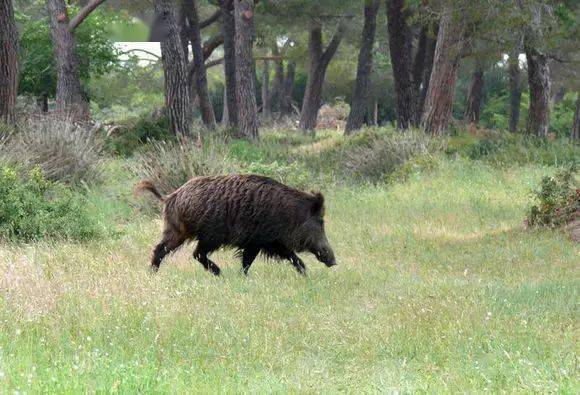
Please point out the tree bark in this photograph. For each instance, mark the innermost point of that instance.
(42, 102)
(229, 33)
(400, 45)
(286, 96)
(359, 103)
(539, 85)
(266, 102)
(439, 100)
(427, 69)
(225, 111)
(278, 85)
(177, 98)
(515, 84)
(475, 95)
(430, 44)
(319, 61)
(200, 75)
(575, 133)
(9, 65)
(70, 100)
(245, 75)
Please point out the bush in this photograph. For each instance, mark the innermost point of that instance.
(62, 150)
(170, 164)
(293, 174)
(559, 199)
(131, 135)
(373, 156)
(33, 207)
(507, 149)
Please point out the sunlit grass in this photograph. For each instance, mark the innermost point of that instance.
(439, 288)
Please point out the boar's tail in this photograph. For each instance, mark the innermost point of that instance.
(146, 185)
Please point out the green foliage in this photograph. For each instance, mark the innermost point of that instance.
(558, 199)
(127, 92)
(133, 133)
(294, 174)
(562, 116)
(33, 207)
(506, 149)
(95, 52)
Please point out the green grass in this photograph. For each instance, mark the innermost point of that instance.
(439, 288)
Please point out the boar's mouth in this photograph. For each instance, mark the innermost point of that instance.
(326, 257)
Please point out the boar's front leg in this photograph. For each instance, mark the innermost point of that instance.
(297, 263)
(286, 253)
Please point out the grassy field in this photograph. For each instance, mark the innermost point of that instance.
(439, 288)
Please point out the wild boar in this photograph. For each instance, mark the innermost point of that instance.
(251, 213)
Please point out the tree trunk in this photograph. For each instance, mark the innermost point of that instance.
(229, 33)
(207, 113)
(439, 100)
(245, 75)
(286, 96)
(225, 112)
(42, 102)
(575, 133)
(266, 98)
(177, 98)
(475, 95)
(539, 84)
(278, 86)
(427, 69)
(515, 83)
(9, 65)
(70, 99)
(359, 103)
(558, 95)
(400, 45)
(319, 61)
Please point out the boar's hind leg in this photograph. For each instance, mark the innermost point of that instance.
(248, 256)
(167, 245)
(200, 254)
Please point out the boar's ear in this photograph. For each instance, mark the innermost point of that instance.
(318, 204)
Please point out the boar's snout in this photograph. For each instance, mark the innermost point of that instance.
(325, 255)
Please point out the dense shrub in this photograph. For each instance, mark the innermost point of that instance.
(170, 164)
(63, 150)
(373, 156)
(293, 174)
(558, 199)
(132, 134)
(507, 149)
(33, 207)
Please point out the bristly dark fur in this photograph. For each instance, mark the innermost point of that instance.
(251, 213)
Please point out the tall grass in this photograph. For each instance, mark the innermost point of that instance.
(63, 150)
(439, 288)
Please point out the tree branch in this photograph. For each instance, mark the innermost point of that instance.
(211, 44)
(84, 13)
(334, 43)
(214, 17)
(140, 50)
